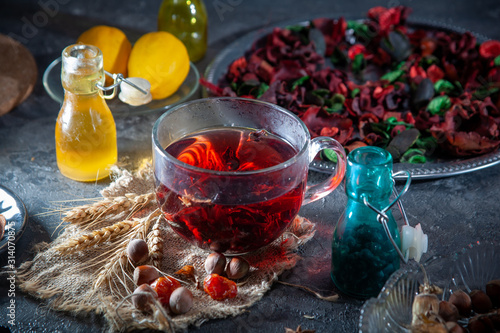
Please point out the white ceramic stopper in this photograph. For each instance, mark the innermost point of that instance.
(133, 96)
(414, 241)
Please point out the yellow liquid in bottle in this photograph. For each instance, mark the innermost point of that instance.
(85, 129)
(187, 20)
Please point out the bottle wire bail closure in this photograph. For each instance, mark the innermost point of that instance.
(383, 218)
(117, 79)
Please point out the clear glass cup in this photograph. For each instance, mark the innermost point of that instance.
(236, 212)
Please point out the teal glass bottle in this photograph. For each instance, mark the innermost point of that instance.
(363, 256)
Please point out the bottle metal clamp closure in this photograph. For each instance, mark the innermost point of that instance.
(117, 78)
(419, 241)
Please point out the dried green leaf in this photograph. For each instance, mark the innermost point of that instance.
(329, 155)
(496, 61)
(393, 76)
(299, 82)
(439, 105)
(359, 63)
(444, 86)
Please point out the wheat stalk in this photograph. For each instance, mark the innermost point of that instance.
(96, 237)
(118, 263)
(119, 260)
(109, 206)
(155, 243)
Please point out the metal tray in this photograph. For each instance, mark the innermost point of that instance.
(438, 169)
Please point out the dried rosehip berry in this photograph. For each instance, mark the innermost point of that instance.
(219, 287)
(164, 287)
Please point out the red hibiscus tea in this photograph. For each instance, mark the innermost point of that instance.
(230, 173)
(214, 217)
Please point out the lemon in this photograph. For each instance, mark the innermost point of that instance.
(162, 59)
(114, 45)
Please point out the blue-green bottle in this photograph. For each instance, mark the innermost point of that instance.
(363, 256)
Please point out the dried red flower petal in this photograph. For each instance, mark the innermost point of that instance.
(490, 49)
(355, 50)
(236, 68)
(333, 32)
(467, 143)
(434, 73)
(375, 12)
(427, 46)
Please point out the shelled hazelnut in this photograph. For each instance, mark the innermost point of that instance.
(237, 268)
(143, 297)
(145, 274)
(215, 263)
(137, 250)
(448, 311)
(493, 291)
(462, 301)
(454, 327)
(181, 300)
(481, 303)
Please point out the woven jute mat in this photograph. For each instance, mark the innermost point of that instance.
(86, 269)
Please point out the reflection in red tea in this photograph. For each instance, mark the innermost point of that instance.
(237, 227)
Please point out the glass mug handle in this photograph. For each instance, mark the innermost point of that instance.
(321, 190)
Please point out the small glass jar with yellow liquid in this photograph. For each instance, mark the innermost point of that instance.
(85, 129)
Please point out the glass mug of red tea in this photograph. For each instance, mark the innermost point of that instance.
(231, 173)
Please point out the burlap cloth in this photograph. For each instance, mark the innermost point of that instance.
(86, 269)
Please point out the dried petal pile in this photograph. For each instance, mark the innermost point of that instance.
(367, 82)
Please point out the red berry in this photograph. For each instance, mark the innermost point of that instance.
(219, 287)
(164, 287)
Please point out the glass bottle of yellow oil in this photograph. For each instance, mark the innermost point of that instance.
(85, 129)
(186, 20)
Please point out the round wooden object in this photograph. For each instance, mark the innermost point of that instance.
(18, 73)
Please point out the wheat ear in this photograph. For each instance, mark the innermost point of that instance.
(96, 237)
(155, 243)
(118, 263)
(89, 214)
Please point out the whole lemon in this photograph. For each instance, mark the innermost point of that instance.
(162, 59)
(114, 45)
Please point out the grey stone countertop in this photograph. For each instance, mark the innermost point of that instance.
(456, 211)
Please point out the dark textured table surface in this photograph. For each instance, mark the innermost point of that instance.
(455, 211)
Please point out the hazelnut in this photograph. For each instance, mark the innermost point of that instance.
(493, 291)
(143, 297)
(181, 300)
(137, 250)
(481, 303)
(145, 274)
(237, 268)
(454, 327)
(448, 311)
(215, 263)
(495, 320)
(462, 301)
(480, 325)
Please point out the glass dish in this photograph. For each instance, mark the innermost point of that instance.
(14, 211)
(438, 169)
(391, 311)
(53, 86)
